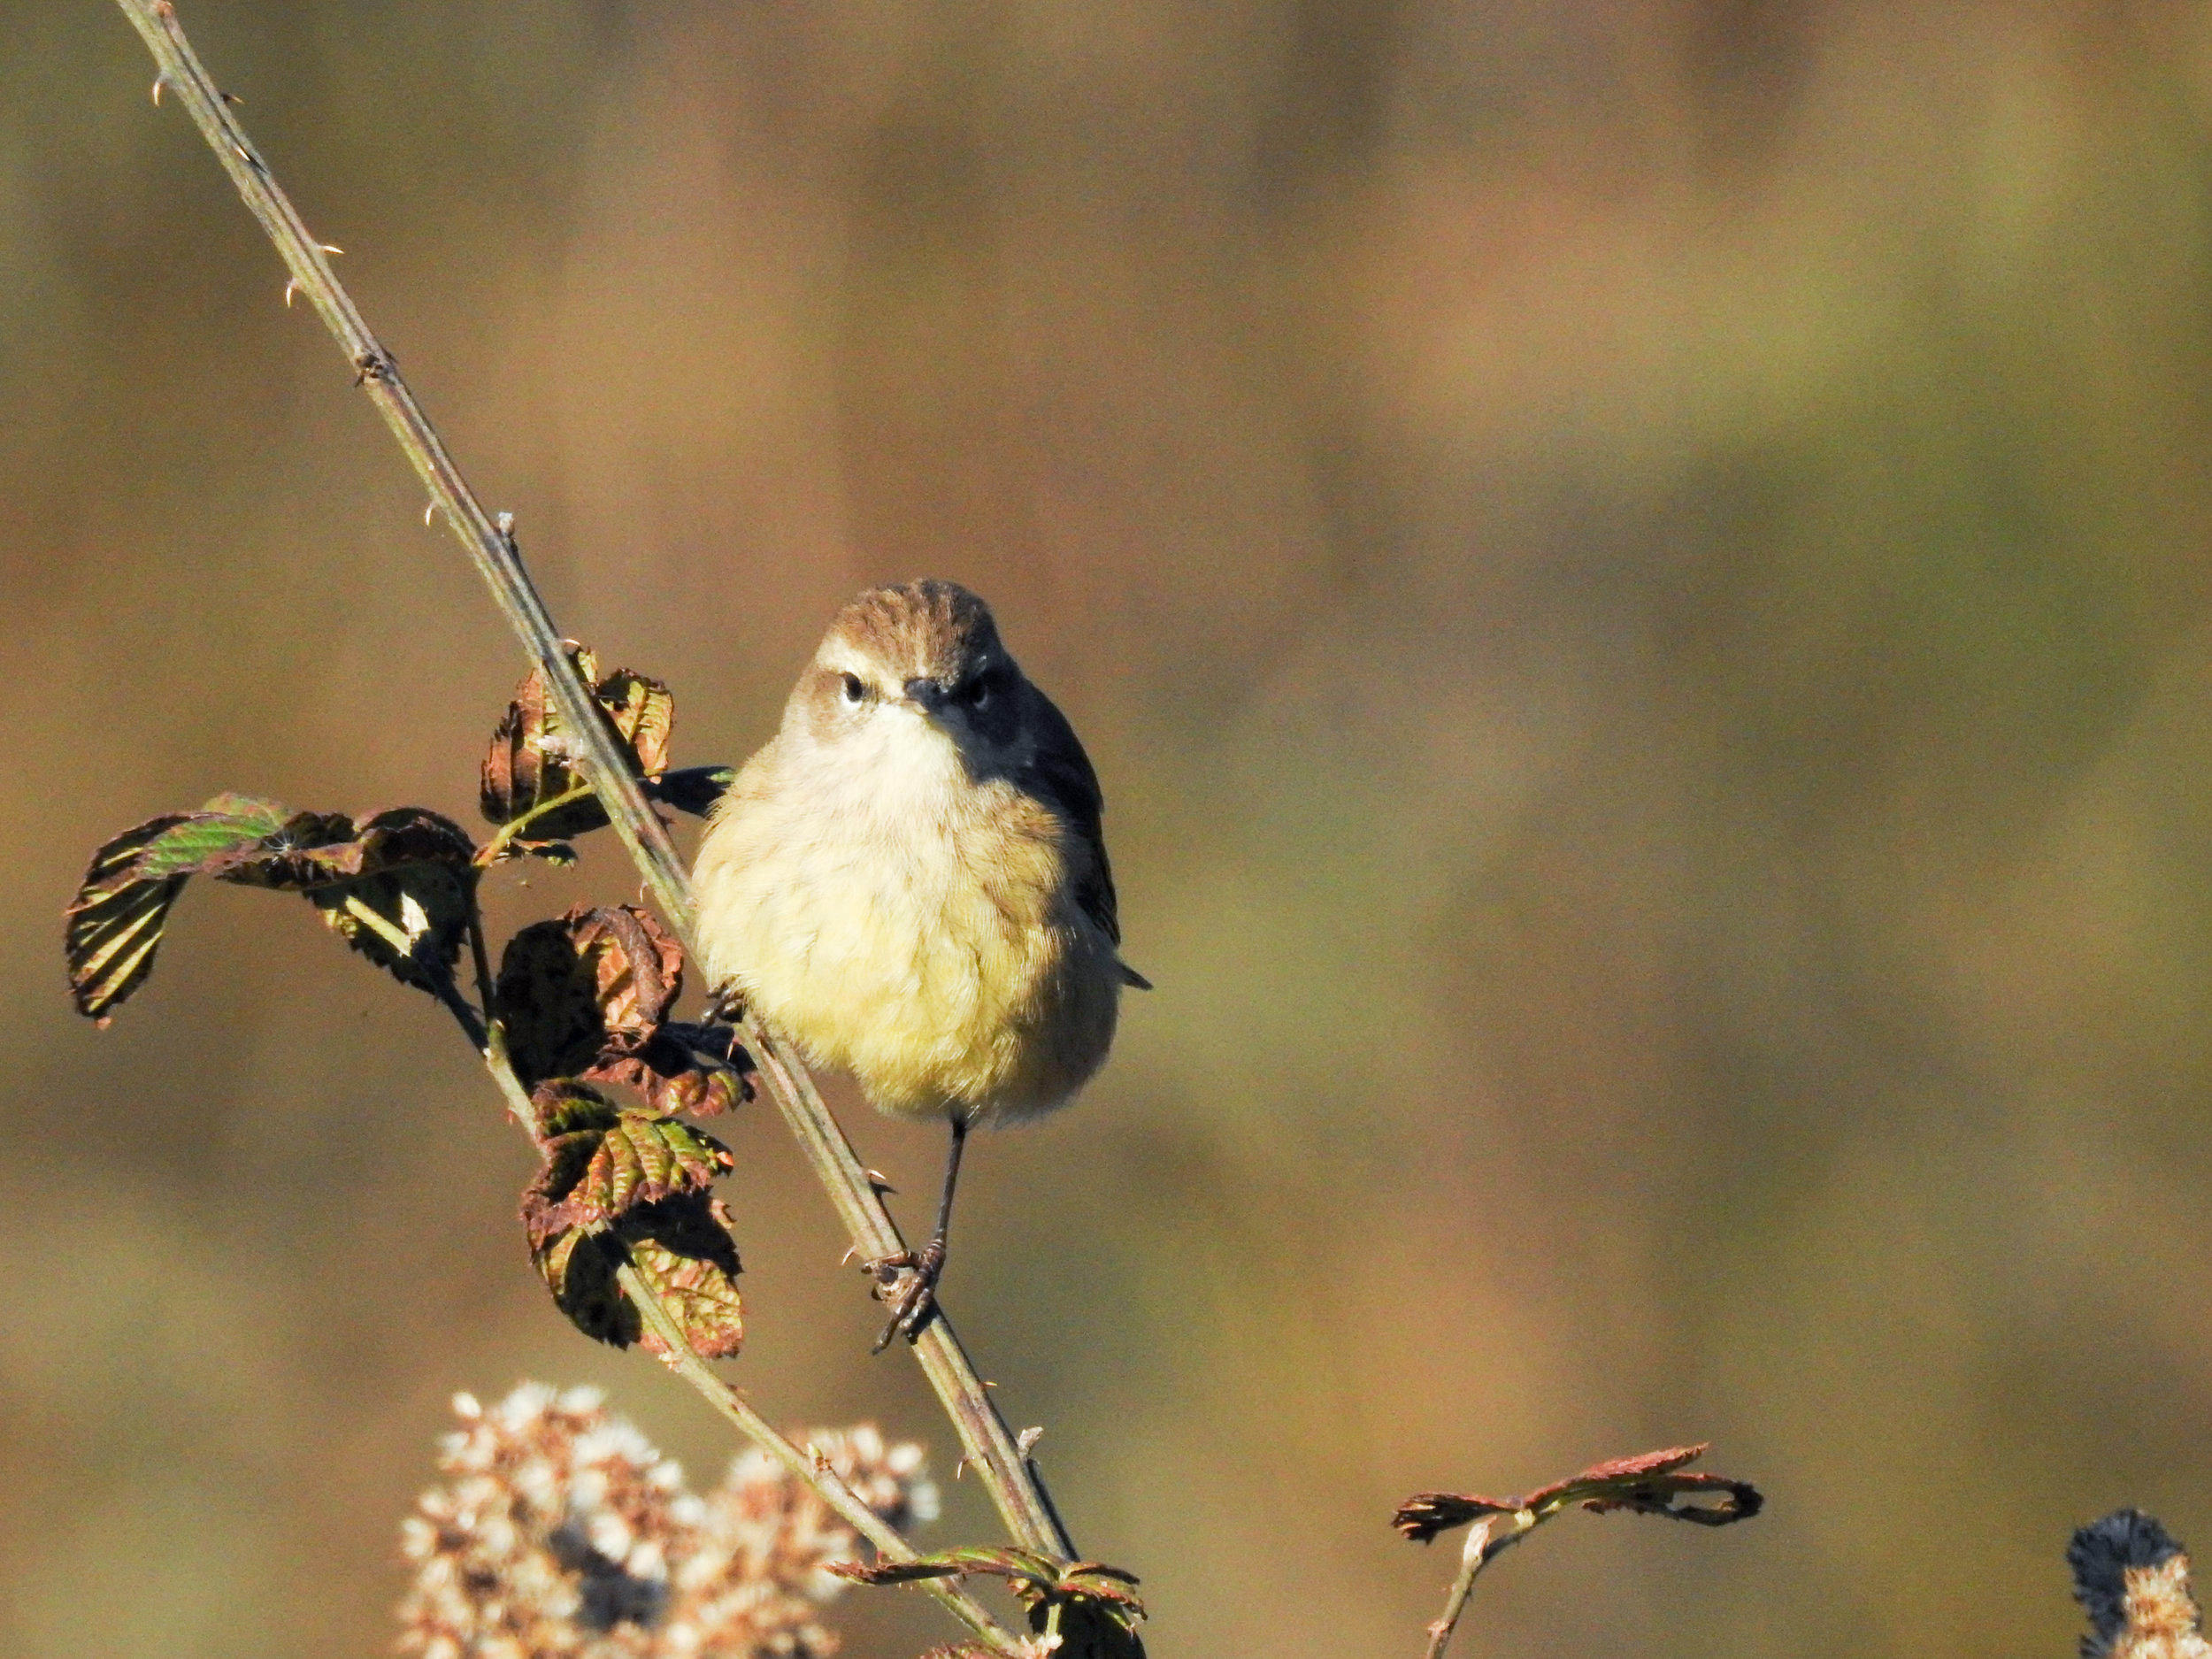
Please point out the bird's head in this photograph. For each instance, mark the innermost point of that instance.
(921, 657)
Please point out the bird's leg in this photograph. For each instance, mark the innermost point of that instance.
(916, 1303)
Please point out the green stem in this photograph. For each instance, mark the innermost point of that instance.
(489, 853)
(1011, 1478)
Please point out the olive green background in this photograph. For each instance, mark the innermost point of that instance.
(1635, 574)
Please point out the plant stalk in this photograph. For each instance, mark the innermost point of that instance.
(1010, 1477)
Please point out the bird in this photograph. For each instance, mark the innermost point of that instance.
(909, 882)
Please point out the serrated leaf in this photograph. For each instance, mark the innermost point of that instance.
(695, 1071)
(526, 774)
(644, 714)
(603, 1160)
(681, 1248)
(593, 983)
(587, 993)
(115, 923)
(579, 1268)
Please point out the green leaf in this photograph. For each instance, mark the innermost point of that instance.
(603, 1160)
(616, 1181)
(401, 866)
(682, 1248)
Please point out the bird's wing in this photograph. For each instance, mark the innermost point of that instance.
(1060, 773)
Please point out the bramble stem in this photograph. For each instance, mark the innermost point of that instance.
(1010, 1477)
(676, 1352)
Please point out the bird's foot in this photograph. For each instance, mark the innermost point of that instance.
(909, 1282)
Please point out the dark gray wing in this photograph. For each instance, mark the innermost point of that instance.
(1058, 772)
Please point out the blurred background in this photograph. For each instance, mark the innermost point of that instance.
(1636, 576)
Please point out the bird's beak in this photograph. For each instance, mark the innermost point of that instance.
(928, 696)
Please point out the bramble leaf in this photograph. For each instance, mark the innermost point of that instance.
(1650, 1482)
(528, 780)
(395, 887)
(618, 1179)
(682, 1247)
(1093, 1609)
(587, 995)
(603, 1160)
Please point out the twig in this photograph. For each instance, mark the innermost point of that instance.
(1485, 1541)
(1010, 1477)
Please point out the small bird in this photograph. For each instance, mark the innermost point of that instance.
(910, 882)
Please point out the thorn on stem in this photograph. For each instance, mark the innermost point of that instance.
(160, 81)
(850, 1251)
(1028, 1438)
(230, 97)
(290, 287)
(330, 247)
(429, 511)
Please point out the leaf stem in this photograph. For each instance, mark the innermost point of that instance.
(1010, 1477)
(489, 853)
(1485, 1539)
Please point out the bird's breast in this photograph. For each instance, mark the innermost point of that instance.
(915, 929)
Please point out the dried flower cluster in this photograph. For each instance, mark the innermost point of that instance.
(2132, 1579)
(560, 1532)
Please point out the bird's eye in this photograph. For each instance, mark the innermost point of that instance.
(853, 690)
(978, 694)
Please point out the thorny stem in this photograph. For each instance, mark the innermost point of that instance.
(680, 1358)
(1482, 1547)
(1010, 1476)
(677, 1352)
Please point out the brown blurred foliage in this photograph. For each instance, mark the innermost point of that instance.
(1636, 576)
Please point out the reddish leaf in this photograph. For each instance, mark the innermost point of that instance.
(587, 995)
(527, 768)
(1650, 1482)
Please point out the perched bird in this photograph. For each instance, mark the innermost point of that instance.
(910, 882)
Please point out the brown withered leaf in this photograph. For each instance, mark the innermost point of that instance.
(587, 993)
(394, 885)
(1650, 1482)
(527, 769)
(1097, 1605)
(593, 983)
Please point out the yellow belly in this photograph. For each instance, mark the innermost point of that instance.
(936, 956)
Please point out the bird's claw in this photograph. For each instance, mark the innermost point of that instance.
(908, 1280)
